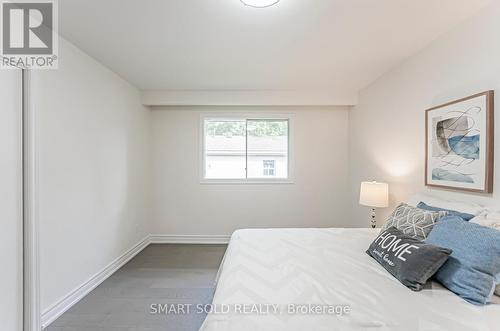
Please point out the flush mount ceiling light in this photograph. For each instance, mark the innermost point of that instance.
(259, 3)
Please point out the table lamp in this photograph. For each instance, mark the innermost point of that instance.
(374, 195)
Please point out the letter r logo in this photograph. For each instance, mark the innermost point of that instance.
(27, 28)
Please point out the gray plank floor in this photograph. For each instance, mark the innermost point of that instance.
(160, 274)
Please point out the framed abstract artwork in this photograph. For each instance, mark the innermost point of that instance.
(459, 144)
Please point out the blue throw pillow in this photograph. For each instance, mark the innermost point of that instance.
(465, 216)
(474, 264)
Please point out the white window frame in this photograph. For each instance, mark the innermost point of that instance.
(245, 116)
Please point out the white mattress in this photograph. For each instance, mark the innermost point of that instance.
(325, 268)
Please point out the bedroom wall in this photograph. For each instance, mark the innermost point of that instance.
(93, 141)
(181, 205)
(386, 128)
(11, 279)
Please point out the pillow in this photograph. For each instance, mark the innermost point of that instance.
(465, 216)
(410, 260)
(473, 266)
(462, 207)
(491, 220)
(494, 215)
(413, 221)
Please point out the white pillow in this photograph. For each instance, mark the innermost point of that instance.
(485, 221)
(493, 215)
(463, 207)
(488, 219)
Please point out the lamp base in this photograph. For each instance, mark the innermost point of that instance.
(373, 221)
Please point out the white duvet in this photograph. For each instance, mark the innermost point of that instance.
(267, 272)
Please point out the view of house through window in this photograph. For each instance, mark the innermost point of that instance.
(245, 148)
(268, 167)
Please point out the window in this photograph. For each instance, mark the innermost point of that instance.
(268, 166)
(244, 149)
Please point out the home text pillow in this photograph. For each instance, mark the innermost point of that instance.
(413, 221)
(462, 207)
(410, 260)
(465, 216)
(473, 267)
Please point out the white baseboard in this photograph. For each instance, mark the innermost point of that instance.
(189, 239)
(57, 309)
(60, 307)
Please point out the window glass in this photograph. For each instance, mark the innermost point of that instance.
(245, 148)
(267, 150)
(225, 149)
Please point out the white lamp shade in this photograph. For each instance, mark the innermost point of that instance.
(374, 194)
(260, 3)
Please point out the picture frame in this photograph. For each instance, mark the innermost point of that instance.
(459, 144)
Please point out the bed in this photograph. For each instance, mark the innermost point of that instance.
(329, 283)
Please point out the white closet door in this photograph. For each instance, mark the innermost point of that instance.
(11, 279)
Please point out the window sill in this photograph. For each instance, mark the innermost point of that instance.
(245, 181)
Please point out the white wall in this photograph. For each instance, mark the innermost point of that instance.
(387, 126)
(11, 278)
(181, 205)
(93, 140)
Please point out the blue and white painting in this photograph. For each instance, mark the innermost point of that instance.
(457, 141)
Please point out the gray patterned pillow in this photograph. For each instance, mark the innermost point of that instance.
(413, 221)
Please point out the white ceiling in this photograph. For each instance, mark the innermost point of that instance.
(300, 45)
